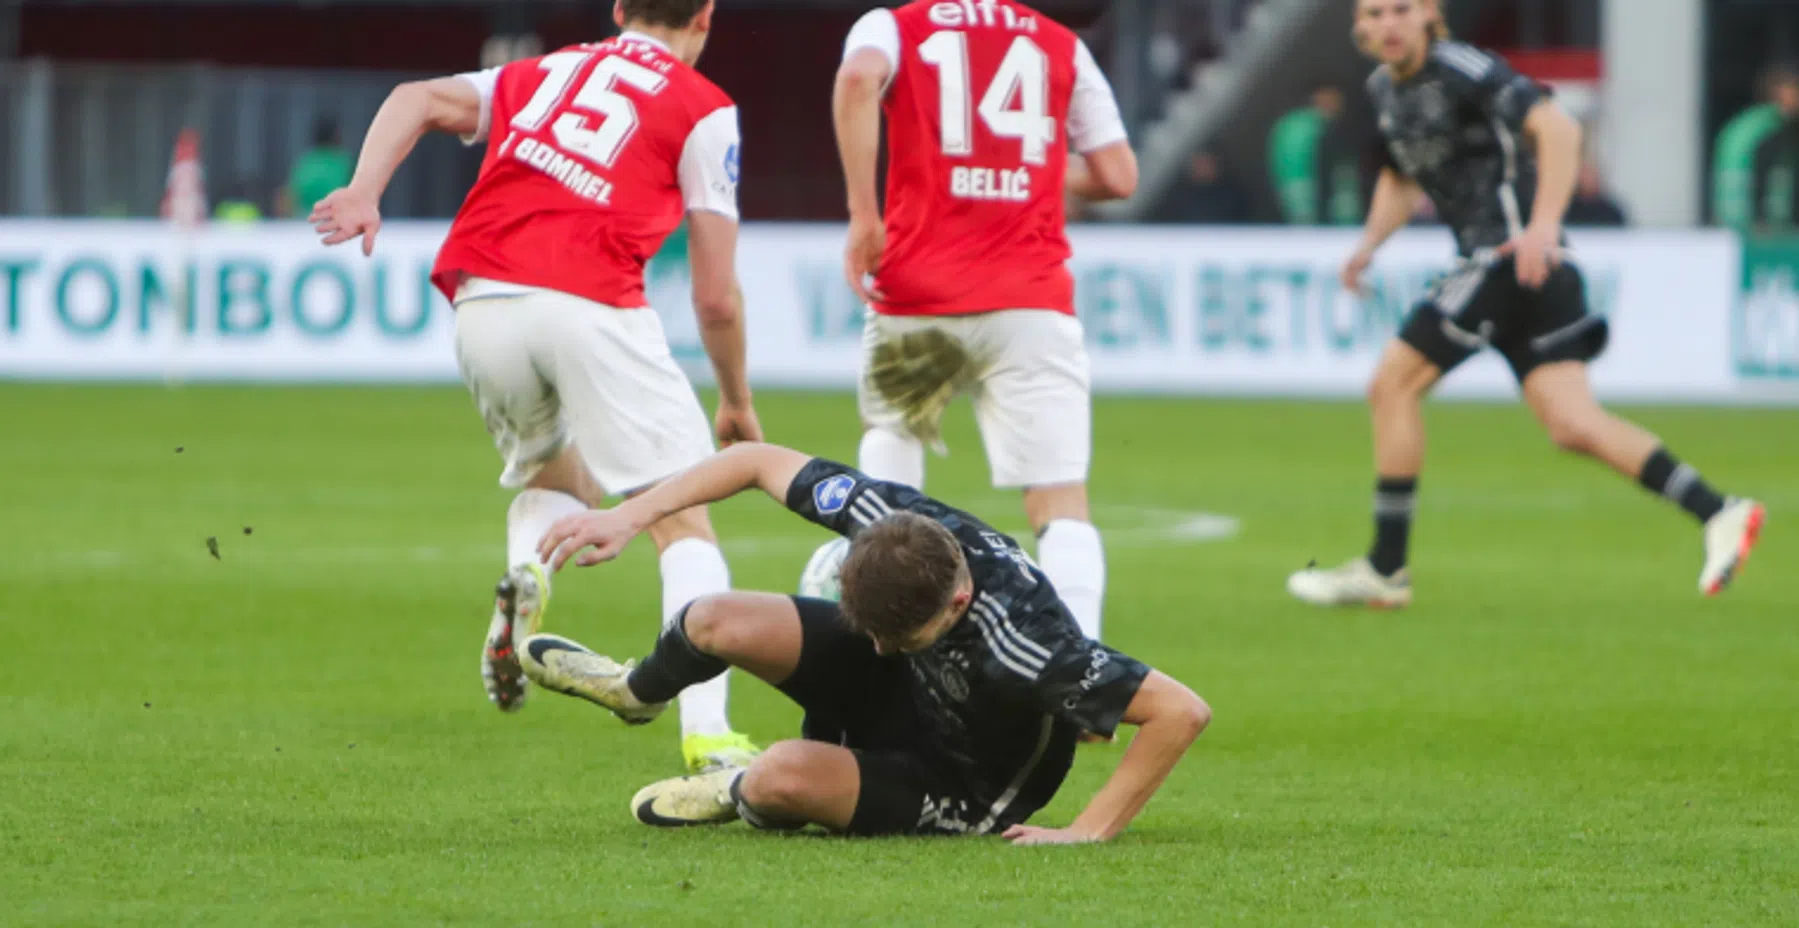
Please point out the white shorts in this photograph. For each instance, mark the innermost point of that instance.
(1030, 380)
(547, 368)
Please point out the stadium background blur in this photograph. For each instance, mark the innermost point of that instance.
(89, 87)
(252, 522)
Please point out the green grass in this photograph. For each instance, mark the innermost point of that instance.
(1559, 732)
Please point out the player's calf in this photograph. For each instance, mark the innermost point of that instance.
(759, 632)
(1575, 434)
(693, 569)
(800, 782)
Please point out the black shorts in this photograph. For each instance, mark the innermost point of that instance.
(1481, 303)
(858, 699)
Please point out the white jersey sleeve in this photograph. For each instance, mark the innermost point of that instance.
(710, 164)
(484, 83)
(877, 29)
(1093, 118)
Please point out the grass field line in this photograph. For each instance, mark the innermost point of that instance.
(1138, 527)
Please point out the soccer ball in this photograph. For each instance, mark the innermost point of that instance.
(819, 579)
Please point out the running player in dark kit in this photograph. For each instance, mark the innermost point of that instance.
(1498, 158)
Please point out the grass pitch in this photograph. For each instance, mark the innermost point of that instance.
(1559, 732)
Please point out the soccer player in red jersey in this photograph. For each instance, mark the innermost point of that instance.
(966, 275)
(594, 155)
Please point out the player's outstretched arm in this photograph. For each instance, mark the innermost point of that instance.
(1557, 139)
(770, 468)
(448, 104)
(445, 104)
(1395, 200)
(1168, 717)
(856, 114)
(718, 306)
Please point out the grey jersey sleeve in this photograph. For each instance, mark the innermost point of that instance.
(1488, 82)
(1067, 675)
(845, 500)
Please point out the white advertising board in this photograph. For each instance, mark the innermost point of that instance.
(1177, 310)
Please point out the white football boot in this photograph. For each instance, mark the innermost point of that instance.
(567, 667)
(702, 799)
(1356, 583)
(1729, 537)
(519, 602)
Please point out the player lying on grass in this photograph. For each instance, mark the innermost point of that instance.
(943, 695)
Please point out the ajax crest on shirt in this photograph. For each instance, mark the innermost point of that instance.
(831, 495)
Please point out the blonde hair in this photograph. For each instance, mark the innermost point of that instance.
(1439, 27)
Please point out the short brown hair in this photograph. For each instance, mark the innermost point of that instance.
(671, 13)
(900, 573)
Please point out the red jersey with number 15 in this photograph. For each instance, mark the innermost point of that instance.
(977, 155)
(594, 153)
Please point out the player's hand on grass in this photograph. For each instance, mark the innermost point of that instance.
(1024, 835)
(602, 532)
(737, 423)
(862, 256)
(345, 214)
(1353, 270)
(1535, 252)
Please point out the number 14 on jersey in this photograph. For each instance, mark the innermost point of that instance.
(1014, 106)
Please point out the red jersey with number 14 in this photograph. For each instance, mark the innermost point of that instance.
(589, 167)
(977, 159)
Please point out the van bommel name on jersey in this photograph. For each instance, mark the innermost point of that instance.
(564, 170)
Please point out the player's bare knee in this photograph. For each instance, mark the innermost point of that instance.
(723, 625)
(706, 623)
(1385, 389)
(1575, 434)
(1199, 715)
(776, 782)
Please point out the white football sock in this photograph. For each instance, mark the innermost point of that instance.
(1071, 555)
(891, 456)
(692, 568)
(530, 516)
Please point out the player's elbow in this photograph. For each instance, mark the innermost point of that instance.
(1123, 185)
(413, 96)
(1114, 171)
(715, 294)
(862, 77)
(715, 310)
(436, 104)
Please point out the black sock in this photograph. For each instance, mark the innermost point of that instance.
(673, 666)
(1393, 498)
(756, 818)
(1663, 474)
